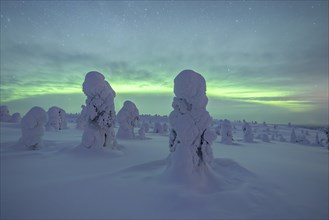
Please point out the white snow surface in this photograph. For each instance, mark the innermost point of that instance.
(259, 180)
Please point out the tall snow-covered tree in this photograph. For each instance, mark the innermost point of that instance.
(190, 136)
(99, 112)
(127, 118)
(32, 125)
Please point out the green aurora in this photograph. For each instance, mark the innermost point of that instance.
(257, 65)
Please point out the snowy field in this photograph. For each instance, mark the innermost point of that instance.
(275, 180)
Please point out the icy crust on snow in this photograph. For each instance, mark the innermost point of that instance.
(56, 119)
(127, 118)
(99, 112)
(190, 137)
(32, 125)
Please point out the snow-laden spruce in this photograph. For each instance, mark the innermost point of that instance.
(226, 132)
(165, 127)
(32, 125)
(56, 119)
(16, 118)
(247, 133)
(158, 128)
(293, 138)
(4, 114)
(146, 126)
(127, 118)
(141, 132)
(190, 136)
(99, 112)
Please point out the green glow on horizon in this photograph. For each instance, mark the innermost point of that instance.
(241, 94)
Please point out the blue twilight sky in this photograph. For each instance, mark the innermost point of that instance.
(262, 60)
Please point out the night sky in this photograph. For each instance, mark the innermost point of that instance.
(262, 60)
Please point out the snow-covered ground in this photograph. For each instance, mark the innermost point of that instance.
(276, 180)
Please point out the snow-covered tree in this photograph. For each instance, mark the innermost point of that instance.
(165, 127)
(190, 136)
(293, 138)
(4, 114)
(32, 125)
(82, 120)
(99, 112)
(158, 128)
(141, 132)
(218, 128)
(303, 140)
(127, 118)
(146, 126)
(16, 118)
(264, 137)
(247, 133)
(226, 132)
(282, 139)
(317, 140)
(56, 119)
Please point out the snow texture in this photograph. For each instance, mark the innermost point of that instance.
(226, 132)
(190, 137)
(32, 125)
(99, 112)
(56, 119)
(127, 118)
